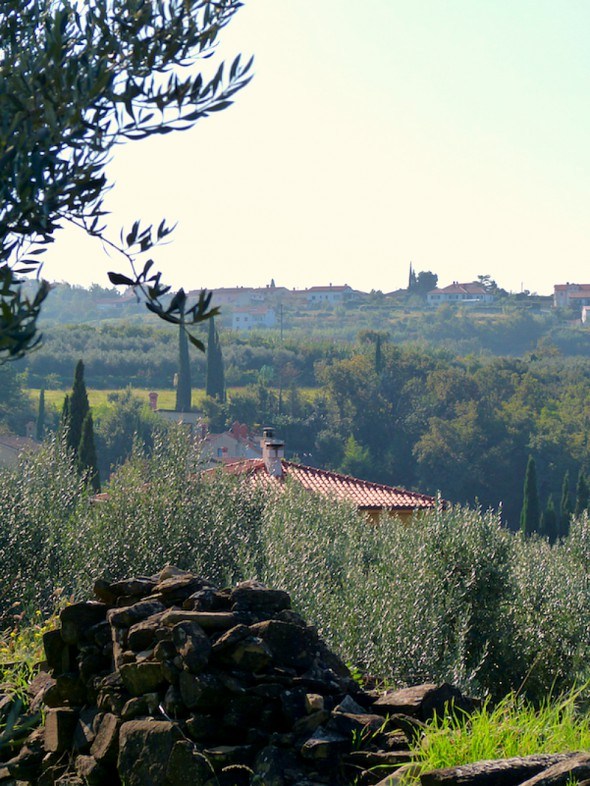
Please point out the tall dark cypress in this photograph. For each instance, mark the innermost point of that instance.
(78, 408)
(565, 506)
(378, 355)
(183, 385)
(215, 380)
(582, 494)
(531, 514)
(40, 425)
(87, 452)
(548, 526)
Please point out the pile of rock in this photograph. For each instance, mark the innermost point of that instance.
(169, 681)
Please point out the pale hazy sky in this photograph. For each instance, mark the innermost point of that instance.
(451, 133)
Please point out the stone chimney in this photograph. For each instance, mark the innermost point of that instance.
(273, 450)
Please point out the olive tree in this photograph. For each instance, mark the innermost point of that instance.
(76, 79)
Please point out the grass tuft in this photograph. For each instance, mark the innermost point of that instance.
(512, 727)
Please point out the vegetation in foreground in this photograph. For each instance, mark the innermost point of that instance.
(454, 597)
(511, 727)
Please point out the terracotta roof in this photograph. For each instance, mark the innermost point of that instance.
(364, 494)
(472, 288)
(330, 288)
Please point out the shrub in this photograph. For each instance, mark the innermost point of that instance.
(451, 596)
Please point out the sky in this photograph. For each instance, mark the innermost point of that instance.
(450, 134)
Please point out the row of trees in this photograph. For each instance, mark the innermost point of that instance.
(214, 375)
(552, 522)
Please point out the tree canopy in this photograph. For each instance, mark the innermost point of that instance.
(76, 79)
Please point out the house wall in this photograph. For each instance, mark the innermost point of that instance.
(405, 516)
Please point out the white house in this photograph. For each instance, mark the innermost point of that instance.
(465, 294)
(253, 317)
(565, 295)
(330, 294)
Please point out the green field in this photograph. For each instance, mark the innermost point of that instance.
(99, 398)
(166, 397)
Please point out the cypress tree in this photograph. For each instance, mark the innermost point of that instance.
(76, 422)
(87, 452)
(548, 526)
(183, 385)
(78, 408)
(582, 494)
(530, 514)
(40, 425)
(215, 379)
(565, 506)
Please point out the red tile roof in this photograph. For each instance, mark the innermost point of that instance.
(330, 288)
(362, 493)
(471, 288)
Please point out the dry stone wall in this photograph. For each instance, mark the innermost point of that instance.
(170, 681)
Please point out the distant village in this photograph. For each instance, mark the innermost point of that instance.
(253, 308)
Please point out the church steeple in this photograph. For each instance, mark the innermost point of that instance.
(412, 279)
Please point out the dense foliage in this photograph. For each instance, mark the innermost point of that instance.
(75, 82)
(407, 415)
(453, 596)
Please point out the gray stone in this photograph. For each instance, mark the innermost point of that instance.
(201, 692)
(140, 678)
(67, 690)
(144, 751)
(222, 756)
(502, 772)
(59, 655)
(187, 766)
(91, 772)
(171, 571)
(106, 743)
(271, 765)
(349, 723)
(240, 648)
(423, 701)
(130, 615)
(59, 729)
(142, 635)
(175, 590)
(324, 746)
(563, 773)
(192, 644)
(131, 589)
(290, 645)
(252, 596)
(208, 600)
(84, 733)
(78, 618)
(208, 620)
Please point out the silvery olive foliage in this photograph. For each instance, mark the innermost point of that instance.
(453, 596)
(76, 79)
